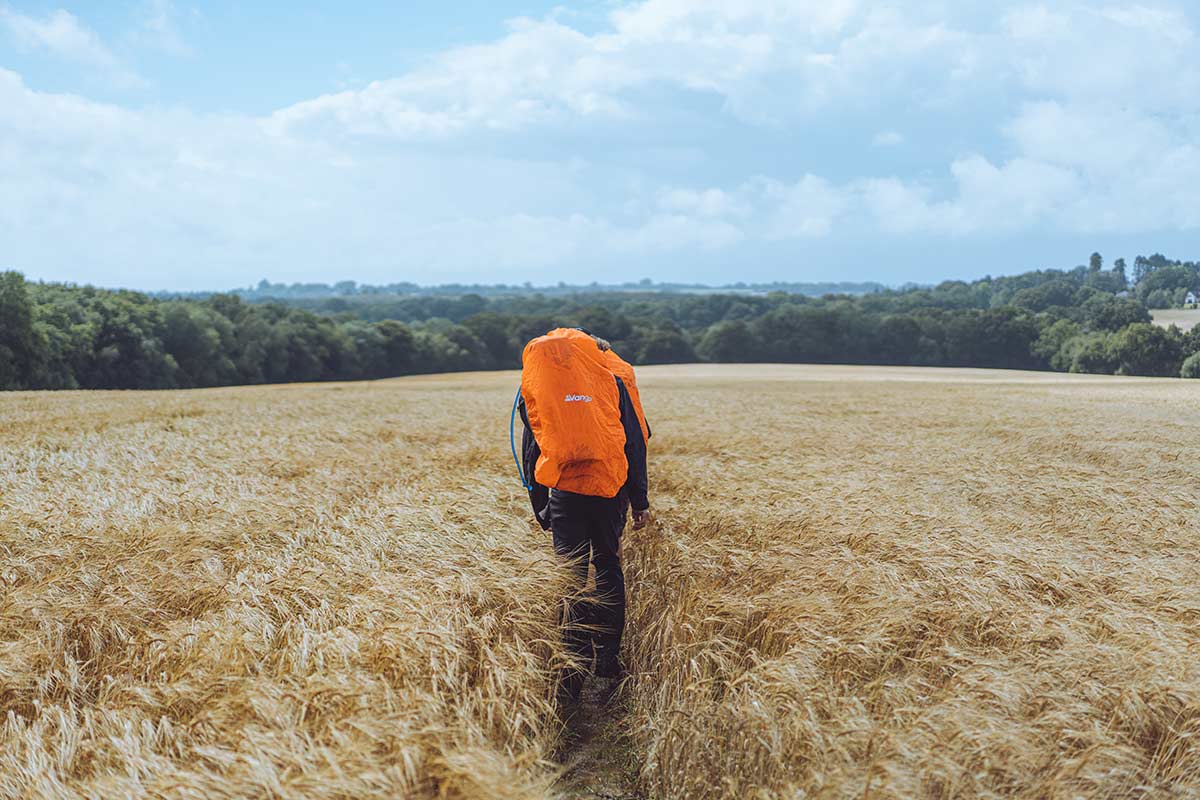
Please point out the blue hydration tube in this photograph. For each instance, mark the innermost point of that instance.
(512, 440)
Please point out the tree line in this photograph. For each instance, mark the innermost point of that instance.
(1087, 319)
(266, 290)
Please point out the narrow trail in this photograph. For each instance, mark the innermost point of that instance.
(599, 760)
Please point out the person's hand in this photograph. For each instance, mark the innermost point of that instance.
(640, 518)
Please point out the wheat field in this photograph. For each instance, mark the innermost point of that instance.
(860, 583)
(1183, 318)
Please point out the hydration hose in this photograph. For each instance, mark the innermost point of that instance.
(512, 440)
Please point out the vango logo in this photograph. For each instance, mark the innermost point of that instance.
(578, 398)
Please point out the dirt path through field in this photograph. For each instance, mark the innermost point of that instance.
(599, 760)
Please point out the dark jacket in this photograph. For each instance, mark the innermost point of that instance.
(636, 488)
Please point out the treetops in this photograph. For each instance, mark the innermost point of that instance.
(1088, 319)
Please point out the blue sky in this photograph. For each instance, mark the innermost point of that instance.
(166, 144)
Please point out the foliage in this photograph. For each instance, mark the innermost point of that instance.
(1106, 312)
(1166, 286)
(728, 341)
(19, 351)
(1087, 352)
(59, 336)
(1144, 349)
(1049, 346)
(1191, 366)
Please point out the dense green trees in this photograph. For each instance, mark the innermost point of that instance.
(19, 348)
(1145, 349)
(1081, 320)
(1108, 312)
(1191, 366)
(54, 336)
(728, 341)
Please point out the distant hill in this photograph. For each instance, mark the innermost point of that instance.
(265, 290)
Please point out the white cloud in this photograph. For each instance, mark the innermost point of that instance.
(887, 139)
(540, 72)
(902, 208)
(1017, 195)
(691, 20)
(551, 146)
(554, 241)
(1037, 24)
(61, 33)
(64, 35)
(160, 29)
(1157, 23)
(806, 209)
(1102, 141)
(706, 203)
(88, 181)
(547, 73)
(1054, 188)
(1128, 54)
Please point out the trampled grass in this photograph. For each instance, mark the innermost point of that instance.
(861, 583)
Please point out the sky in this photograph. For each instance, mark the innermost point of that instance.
(166, 144)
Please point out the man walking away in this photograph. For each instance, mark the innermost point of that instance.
(584, 450)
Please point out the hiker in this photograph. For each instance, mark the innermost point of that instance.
(584, 458)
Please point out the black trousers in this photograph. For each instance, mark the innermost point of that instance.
(586, 526)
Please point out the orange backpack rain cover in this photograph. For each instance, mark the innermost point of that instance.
(574, 411)
(624, 370)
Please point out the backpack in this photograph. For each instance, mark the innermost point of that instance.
(573, 406)
(624, 370)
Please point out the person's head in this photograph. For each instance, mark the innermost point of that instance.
(601, 343)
